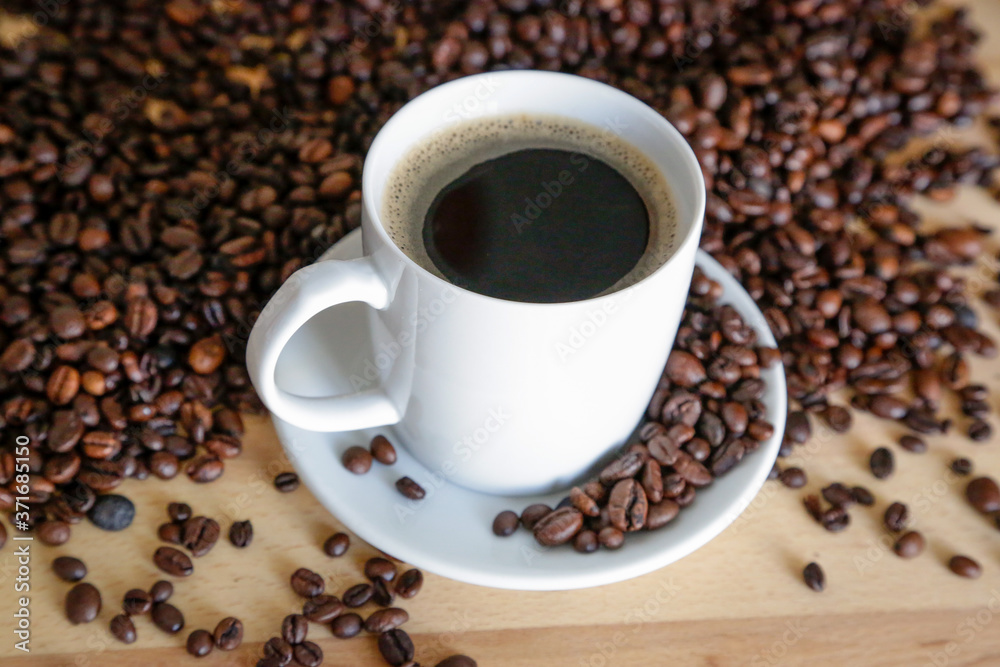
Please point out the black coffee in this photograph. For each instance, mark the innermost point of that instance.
(538, 209)
(539, 225)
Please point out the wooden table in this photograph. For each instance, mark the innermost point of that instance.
(738, 601)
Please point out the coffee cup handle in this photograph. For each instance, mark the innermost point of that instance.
(306, 293)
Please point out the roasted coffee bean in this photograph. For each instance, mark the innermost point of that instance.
(983, 494)
(627, 506)
(322, 608)
(838, 494)
(964, 566)
(307, 583)
(358, 595)
(961, 466)
(881, 463)
(896, 517)
(137, 602)
(585, 542)
(409, 583)
(346, 626)
(205, 469)
(814, 577)
(336, 545)
(661, 513)
(558, 527)
(69, 569)
(308, 654)
(380, 568)
(457, 661)
(294, 629)
(396, 647)
(170, 533)
(793, 478)
(286, 482)
(241, 534)
(199, 534)
(912, 443)
(83, 603)
(173, 562)
(979, 430)
(279, 649)
(53, 533)
(610, 537)
(835, 519)
(505, 523)
(382, 450)
(909, 545)
(161, 591)
(357, 460)
(200, 643)
(385, 620)
(410, 488)
(532, 514)
(863, 496)
(621, 468)
(123, 629)
(228, 633)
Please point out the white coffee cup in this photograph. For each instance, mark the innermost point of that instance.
(498, 396)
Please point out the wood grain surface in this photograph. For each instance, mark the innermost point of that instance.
(738, 601)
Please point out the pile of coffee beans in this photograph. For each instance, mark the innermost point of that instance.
(381, 587)
(705, 416)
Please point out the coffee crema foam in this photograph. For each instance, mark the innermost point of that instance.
(437, 160)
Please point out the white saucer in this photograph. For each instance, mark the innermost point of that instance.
(449, 532)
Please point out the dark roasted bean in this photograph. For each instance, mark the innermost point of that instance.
(357, 595)
(396, 647)
(983, 494)
(814, 577)
(881, 463)
(505, 523)
(409, 583)
(346, 626)
(307, 583)
(123, 629)
(200, 643)
(964, 566)
(137, 602)
(294, 629)
(410, 488)
(83, 603)
(909, 545)
(69, 569)
(228, 633)
(358, 460)
(161, 591)
(241, 534)
(322, 608)
(336, 545)
(286, 482)
(173, 562)
(384, 620)
(382, 450)
(896, 517)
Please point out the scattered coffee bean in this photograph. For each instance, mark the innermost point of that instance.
(983, 494)
(286, 482)
(838, 494)
(961, 466)
(112, 512)
(241, 534)
(793, 478)
(69, 569)
(457, 661)
(123, 629)
(533, 513)
(200, 643)
(199, 534)
(357, 595)
(228, 633)
(410, 489)
(137, 602)
(396, 647)
(279, 649)
(912, 443)
(863, 496)
(167, 617)
(384, 620)
(505, 523)
(179, 512)
(53, 533)
(170, 533)
(346, 626)
(559, 527)
(308, 654)
(382, 450)
(161, 591)
(380, 568)
(294, 629)
(83, 603)
(336, 545)
(173, 562)
(813, 575)
(980, 431)
(307, 583)
(964, 566)
(322, 608)
(909, 545)
(358, 460)
(896, 517)
(409, 583)
(881, 463)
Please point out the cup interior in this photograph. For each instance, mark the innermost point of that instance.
(550, 93)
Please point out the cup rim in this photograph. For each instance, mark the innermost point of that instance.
(535, 77)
